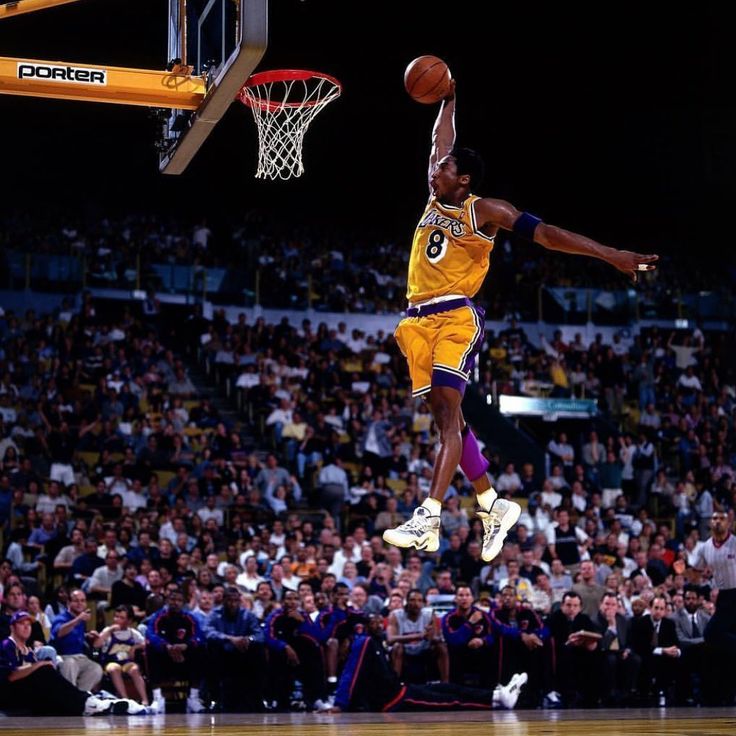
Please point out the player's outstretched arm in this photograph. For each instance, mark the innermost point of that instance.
(501, 214)
(443, 133)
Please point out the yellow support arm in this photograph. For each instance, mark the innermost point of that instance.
(19, 7)
(90, 83)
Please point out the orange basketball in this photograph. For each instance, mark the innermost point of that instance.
(427, 79)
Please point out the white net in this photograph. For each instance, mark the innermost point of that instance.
(283, 105)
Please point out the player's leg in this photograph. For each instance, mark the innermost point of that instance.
(497, 514)
(445, 696)
(423, 529)
(414, 338)
(449, 696)
(441, 656)
(397, 658)
(311, 670)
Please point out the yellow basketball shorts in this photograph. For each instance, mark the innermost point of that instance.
(441, 344)
(124, 666)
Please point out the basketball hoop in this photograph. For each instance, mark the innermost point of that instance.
(284, 103)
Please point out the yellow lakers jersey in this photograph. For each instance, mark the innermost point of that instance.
(448, 255)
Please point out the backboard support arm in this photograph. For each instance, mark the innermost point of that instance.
(21, 7)
(95, 83)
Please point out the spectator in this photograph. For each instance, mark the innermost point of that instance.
(104, 577)
(690, 622)
(588, 590)
(562, 452)
(119, 644)
(575, 656)
(620, 664)
(249, 579)
(509, 482)
(333, 488)
(129, 592)
(70, 638)
(565, 541)
(654, 639)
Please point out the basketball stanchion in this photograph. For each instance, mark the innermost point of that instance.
(284, 103)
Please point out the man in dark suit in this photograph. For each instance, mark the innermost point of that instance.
(620, 664)
(690, 623)
(575, 652)
(654, 639)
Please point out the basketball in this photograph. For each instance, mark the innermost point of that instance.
(427, 79)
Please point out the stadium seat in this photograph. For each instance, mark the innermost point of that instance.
(397, 485)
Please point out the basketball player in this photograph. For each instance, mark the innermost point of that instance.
(369, 683)
(443, 330)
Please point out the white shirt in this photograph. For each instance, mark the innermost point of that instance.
(371, 441)
(552, 498)
(579, 502)
(249, 583)
(626, 454)
(508, 482)
(562, 450)
(248, 380)
(721, 559)
(104, 579)
(333, 475)
(692, 382)
(340, 558)
(133, 500)
(356, 346)
(47, 505)
(279, 415)
(206, 514)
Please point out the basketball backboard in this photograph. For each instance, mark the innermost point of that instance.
(223, 40)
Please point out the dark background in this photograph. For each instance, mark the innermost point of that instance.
(607, 118)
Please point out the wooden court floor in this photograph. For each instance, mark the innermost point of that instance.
(644, 722)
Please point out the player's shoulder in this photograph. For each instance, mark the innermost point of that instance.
(499, 212)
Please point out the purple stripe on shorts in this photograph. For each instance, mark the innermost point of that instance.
(469, 362)
(445, 378)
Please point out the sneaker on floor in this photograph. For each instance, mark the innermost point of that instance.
(106, 695)
(552, 700)
(195, 705)
(127, 707)
(496, 524)
(95, 706)
(320, 706)
(158, 706)
(509, 694)
(421, 531)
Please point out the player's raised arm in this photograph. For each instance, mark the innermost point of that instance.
(443, 133)
(495, 212)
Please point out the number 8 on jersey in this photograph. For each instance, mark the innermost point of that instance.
(436, 246)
